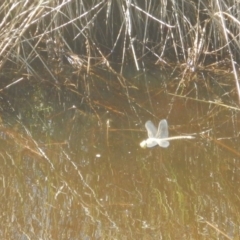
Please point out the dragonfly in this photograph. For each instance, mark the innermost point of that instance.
(159, 136)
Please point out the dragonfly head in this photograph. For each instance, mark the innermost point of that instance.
(143, 144)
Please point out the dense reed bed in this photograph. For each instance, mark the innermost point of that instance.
(69, 44)
(194, 33)
(73, 45)
(78, 80)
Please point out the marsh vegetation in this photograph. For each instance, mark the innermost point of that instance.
(78, 81)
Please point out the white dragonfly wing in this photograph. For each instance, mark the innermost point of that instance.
(153, 144)
(162, 131)
(151, 129)
(164, 143)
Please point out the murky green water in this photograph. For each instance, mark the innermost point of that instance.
(86, 177)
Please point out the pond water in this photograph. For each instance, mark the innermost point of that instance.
(83, 175)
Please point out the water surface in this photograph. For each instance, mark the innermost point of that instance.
(88, 178)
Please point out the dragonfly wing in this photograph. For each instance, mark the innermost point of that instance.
(151, 129)
(151, 143)
(163, 144)
(162, 131)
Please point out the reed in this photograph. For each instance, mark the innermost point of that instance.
(101, 32)
(188, 31)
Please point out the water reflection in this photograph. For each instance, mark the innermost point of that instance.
(103, 185)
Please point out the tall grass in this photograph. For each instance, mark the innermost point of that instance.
(196, 33)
